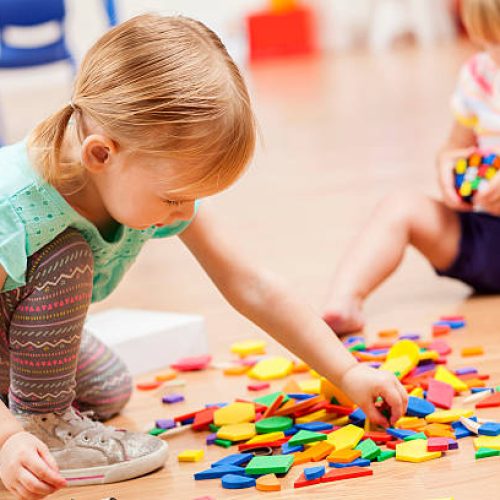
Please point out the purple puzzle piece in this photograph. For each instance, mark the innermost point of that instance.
(172, 398)
(165, 423)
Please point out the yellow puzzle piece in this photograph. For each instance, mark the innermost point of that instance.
(447, 416)
(275, 367)
(190, 455)
(424, 355)
(444, 375)
(487, 442)
(237, 432)
(310, 386)
(329, 391)
(415, 451)
(418, 392)
(345, 438)
(249, 347)
(311, 417)
(267, 438)
(402, 358)
(234, 413)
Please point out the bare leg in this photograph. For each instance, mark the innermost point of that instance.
(400, 220)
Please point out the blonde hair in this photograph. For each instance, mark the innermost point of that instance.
(160, 85)
(482, 19)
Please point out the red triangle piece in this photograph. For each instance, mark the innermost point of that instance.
(346, 473)
(490, 401)
(301, 481)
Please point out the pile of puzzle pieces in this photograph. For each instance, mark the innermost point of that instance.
(472, 174)
(311, 420)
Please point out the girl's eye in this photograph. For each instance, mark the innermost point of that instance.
(172, 203)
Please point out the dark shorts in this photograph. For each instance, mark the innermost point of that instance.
(478, 259)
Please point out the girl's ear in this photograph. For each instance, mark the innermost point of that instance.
(97, 151)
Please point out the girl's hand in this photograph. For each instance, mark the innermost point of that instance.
(364, 385)
(445, 164)
(488, 199)
(27, 469)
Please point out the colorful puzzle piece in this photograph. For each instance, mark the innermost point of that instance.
(346, 473)
(316, 472)
(444, 375)
(447, 416)
(277, 464)
(192, 363)
(346, 437)
(248, 347)
(268, 482)
(271, 368)
(237, 432)
(234, 413)
(303, 437)
(440, 393)
(273, 424)
(190, 455)
(345, 456)
(492, 442)
(415, 451)
(236, 482)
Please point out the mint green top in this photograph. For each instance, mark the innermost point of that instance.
(33, 213)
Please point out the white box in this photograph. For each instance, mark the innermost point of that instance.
(149, 340)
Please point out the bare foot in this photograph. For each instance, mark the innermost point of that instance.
(345, 315)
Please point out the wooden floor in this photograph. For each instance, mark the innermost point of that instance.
(338, 132)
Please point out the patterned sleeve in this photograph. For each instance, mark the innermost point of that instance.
(472, 90)
(13, 257)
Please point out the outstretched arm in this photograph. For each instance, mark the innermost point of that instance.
(265, 300)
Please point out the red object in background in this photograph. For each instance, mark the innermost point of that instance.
(274, 34)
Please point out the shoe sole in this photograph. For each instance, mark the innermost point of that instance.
(117, 472)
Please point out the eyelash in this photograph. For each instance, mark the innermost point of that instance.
(172, 203)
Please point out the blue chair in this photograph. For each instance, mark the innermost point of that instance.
(30, 13)
(110, 7)
(26, 13)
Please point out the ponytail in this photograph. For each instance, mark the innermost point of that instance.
(45, 145)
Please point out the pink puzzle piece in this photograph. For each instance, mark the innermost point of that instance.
(192, 363)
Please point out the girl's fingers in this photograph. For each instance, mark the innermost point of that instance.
(23, 494)
(393, 398)
(374, 415)
(404, 396)
(33, 484)
(46, 469)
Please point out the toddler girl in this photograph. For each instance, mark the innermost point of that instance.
(458, 239)
(160, 117)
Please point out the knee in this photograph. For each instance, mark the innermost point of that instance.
(107, 392)
(401, 208)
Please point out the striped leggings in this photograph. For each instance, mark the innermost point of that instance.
(47, 361)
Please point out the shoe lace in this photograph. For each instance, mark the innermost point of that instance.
(88, 422)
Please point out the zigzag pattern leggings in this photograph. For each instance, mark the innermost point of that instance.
(46, 362)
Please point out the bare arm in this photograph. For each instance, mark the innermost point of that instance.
(264, 299)
(460, 137)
